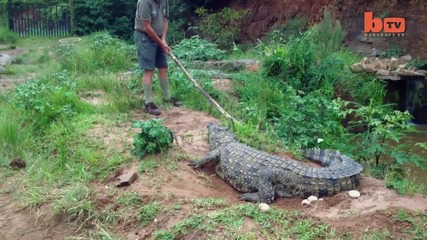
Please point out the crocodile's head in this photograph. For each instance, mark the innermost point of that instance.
(218, 135)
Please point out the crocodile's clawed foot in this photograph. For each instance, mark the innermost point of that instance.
(249, 197)
(193, 164)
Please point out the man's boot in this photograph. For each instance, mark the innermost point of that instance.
(173, 101)
(152, 109)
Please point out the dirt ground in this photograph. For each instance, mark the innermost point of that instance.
(372, 210)
(8, 82)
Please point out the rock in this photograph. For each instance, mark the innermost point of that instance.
(383, 72)
(354, 193)
(405, 59)
(125, 179)
(369, 69)
(312, 199)
(5, 59)
(357, 67)
(263, 207)
(394, 63)
(2, 69)
(119, 171)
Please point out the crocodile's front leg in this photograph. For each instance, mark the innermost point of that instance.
(210, 158)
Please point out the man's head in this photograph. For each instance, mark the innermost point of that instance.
(218, 135)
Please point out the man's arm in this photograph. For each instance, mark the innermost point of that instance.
(152, 34)
(165, 29)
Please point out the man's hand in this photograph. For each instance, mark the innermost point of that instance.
(165, 47)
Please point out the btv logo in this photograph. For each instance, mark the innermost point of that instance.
(389, 25)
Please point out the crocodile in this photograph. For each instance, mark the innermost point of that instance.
(263, 177)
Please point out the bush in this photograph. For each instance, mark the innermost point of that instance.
(8, 37)
(153, 138)
(393, 51)
(100, 52)
(328, 35)
(293, 63)
(196, 48)
(222, 28)
(45, 103)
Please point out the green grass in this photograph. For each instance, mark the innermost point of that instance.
(14, 135)
(417, 221)
(7, 37)
(227, 223)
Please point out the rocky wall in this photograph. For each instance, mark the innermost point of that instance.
(266, 14)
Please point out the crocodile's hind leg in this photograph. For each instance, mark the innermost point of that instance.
(265, 193)
(271, 183)
(210, 158)
(250, 197)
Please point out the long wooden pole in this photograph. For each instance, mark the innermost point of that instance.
(211, 100)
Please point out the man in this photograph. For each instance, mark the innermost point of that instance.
(151, 26)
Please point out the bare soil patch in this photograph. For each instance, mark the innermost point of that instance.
(9, 82)
(17, 223)
(12, 51)
(225, 85)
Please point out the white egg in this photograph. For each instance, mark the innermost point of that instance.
(263, 207)
(312, 198)
(354, 193)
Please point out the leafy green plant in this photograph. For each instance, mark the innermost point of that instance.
(196, 48)
(320, 115)
(222, 28)
(418, 63)
(383, 127)
(153, 138)
(44, 102)
(393, 51)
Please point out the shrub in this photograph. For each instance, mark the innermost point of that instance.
(196, 48)
(100, 52)
(153, 138)
(44, 102)
(328, 35)
(393, 51)
(384, 127)
(292, 63)
(222, 28)
(8, 37)
(320, 115)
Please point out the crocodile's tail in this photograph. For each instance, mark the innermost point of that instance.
(339, 173)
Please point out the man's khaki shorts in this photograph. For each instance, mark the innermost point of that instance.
(150, 54)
